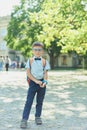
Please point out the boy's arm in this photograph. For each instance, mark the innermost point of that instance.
(32, 78)
(45, 82)
(47, 67)
(46, 75)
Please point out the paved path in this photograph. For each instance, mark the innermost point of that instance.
(65, 105)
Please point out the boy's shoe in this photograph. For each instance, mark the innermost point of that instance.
(38, 120)
(23, 124)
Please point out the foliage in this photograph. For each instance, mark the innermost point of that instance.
(21, 32)
(59, 24)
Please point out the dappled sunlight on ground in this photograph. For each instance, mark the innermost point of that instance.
(65, 105)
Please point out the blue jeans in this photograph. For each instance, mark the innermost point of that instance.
(34, 89)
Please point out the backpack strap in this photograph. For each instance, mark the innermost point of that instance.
(44, 62)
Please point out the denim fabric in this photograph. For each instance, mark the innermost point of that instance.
(32, 91)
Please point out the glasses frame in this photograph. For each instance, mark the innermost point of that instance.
(37, 49)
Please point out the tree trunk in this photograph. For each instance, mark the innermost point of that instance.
(52, 61)
(85, 63)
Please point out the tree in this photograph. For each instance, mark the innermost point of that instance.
(21, 32)
(62, 20)
(59, 24)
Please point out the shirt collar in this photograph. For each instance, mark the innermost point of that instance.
(36, 57)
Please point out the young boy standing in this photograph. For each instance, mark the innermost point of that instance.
(37, 72)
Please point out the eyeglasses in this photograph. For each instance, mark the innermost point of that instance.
(37, 49)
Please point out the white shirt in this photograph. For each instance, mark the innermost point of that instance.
(37, 69)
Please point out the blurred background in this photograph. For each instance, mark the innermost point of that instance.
(59, 24)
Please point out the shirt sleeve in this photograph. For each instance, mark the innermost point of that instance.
(27, 64)
(47, 67)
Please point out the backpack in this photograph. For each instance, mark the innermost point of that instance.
(31, 60)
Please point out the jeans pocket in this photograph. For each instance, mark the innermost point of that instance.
(31, 84)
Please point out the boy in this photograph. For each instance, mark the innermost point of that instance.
(37, 68)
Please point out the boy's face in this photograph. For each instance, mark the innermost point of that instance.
(37, 51)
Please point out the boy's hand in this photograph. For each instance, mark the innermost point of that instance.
(43, 85)
(39, 82)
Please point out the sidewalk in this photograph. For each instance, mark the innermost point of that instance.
(64, 108)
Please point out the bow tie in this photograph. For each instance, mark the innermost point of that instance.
(37, 58)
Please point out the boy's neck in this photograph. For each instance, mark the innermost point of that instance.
(37, 56)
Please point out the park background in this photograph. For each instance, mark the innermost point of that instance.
(60, 25)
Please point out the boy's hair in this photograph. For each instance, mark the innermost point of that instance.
(37, 44)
